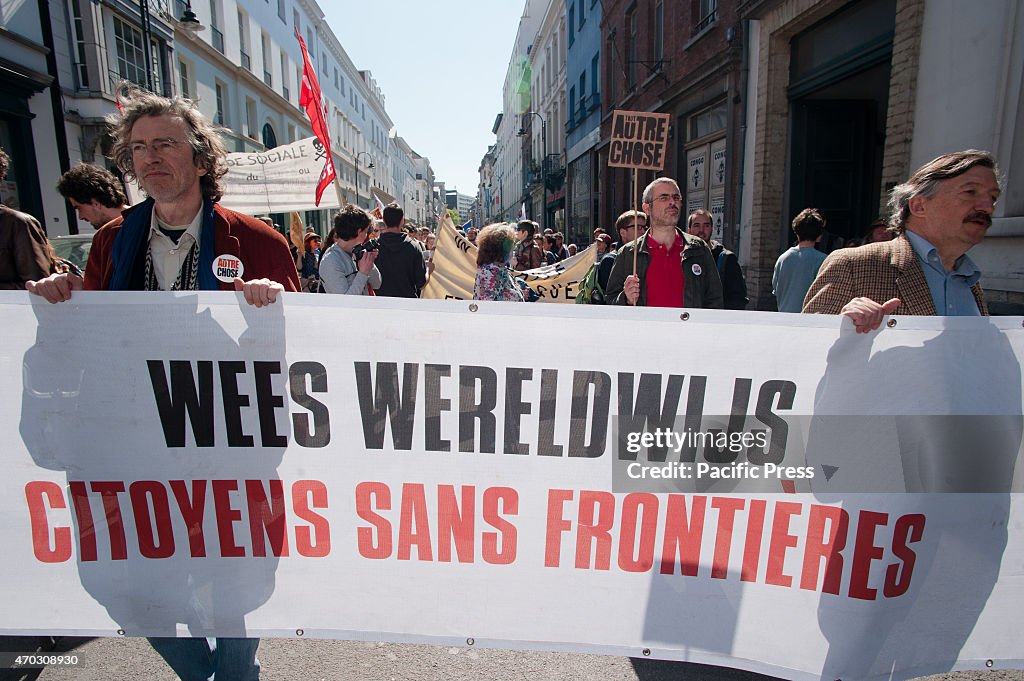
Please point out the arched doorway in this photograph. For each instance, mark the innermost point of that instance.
(269, 136)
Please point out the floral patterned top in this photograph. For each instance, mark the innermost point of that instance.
(495, 282)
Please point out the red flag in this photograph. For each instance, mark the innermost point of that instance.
(312, 102)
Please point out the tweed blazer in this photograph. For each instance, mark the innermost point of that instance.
(879, 271)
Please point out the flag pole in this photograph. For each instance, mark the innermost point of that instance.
(635, 235)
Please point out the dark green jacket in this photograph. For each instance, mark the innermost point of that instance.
(703, 290)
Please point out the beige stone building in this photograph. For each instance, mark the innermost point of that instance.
(845, 99)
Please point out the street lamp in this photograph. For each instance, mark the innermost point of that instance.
(189, 22)
(544, 158)
(355, 164)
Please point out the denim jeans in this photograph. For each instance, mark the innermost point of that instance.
(233, 659)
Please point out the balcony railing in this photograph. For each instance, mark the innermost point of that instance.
(554, 164)
(555, 167)
(534, 177)
(246, 61)
(711, 17)
(218, 39)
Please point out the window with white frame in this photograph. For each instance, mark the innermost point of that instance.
(185, 79)
(80, 64)
(250, 118)
(222, 115)
(131, 56)
(707, 13)
(243, 40)
(285, 91)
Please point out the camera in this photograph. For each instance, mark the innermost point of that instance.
(359, 249)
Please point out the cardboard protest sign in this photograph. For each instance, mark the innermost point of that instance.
(639, 140)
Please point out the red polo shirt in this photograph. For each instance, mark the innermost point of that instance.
(664, 275)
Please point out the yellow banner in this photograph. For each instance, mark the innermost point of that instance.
(455, 271)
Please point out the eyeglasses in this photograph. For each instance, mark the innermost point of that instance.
(635, 226)
(160, 147)
(668, 197)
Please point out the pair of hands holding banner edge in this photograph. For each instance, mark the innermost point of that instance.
(57, 288)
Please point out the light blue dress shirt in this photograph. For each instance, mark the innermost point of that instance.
(951, 291)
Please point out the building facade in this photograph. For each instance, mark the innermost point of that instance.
(486, 196)
(30, 112)
(583, 121)
(542, 125)
(684, 59)
(846, 99)
(517, 99)
(243, 68)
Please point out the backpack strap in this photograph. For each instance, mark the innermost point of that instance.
(721, 263)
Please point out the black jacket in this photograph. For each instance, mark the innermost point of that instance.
(702, 288)
(734, 287)
(400, 262)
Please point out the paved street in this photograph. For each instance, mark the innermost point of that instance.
(306, 660)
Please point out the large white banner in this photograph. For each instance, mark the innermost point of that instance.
(277, 180)
(454, 275)
(187, 464)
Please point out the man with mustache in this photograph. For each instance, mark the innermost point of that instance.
(943, 210)
(673, 268)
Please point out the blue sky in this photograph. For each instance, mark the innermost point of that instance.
(440, 65)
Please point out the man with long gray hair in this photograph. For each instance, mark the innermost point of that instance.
(943, 210)
(181, 239)
(174, 240)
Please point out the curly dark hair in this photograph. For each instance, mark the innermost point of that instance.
(208, 151)
(347, 223)
(86, 182)
(494, 244)
(5, 163)
(808, 224)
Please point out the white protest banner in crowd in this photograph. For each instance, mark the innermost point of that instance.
(278, 180)
(455, 268)
(185, 464)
